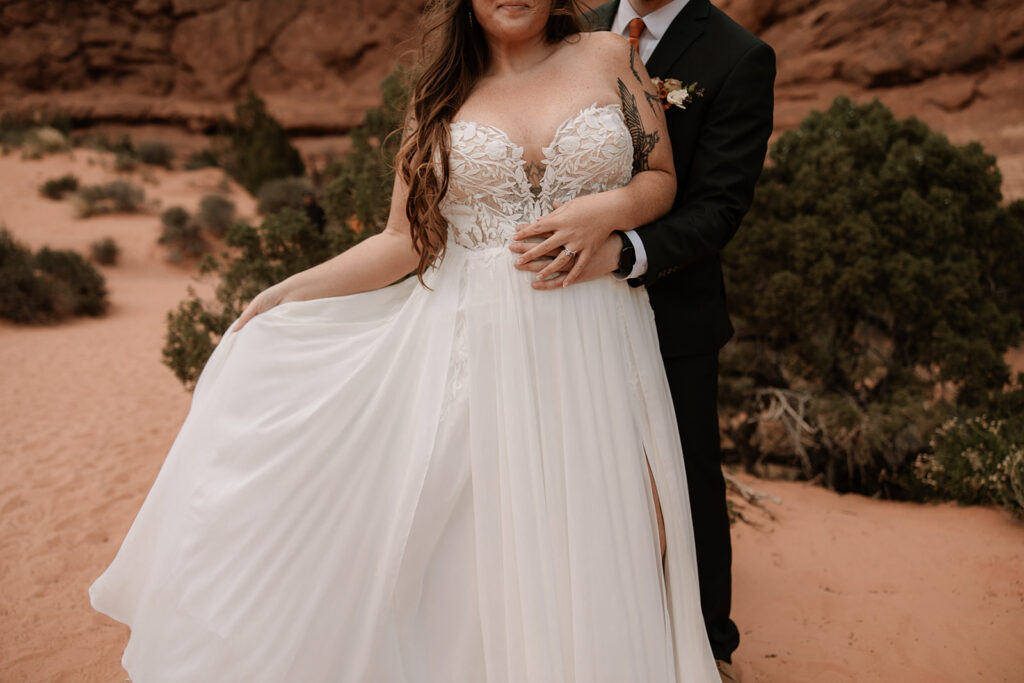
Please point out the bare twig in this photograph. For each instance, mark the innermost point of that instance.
(752, 497)
(789, 408)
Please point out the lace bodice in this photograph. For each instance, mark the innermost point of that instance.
(489, 193)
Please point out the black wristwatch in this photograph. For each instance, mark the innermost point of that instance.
(627, 257)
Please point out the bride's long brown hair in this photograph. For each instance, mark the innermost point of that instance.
(454, 54)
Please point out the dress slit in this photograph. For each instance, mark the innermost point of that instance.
(655, 501)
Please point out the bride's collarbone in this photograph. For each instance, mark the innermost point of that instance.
(530, 111)
(530, 107)
(531, 127)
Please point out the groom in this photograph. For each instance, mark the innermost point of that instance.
(719, 144)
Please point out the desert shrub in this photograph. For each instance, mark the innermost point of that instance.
(204, 158)
(88, 288)
(978, 459)
(113, 197)
(279, 193)
(876, 267)
(358, 191)
(12, 131)
(48, 286)
(216, 214)
(105, 251)
(101, 141)
(125, 162)
(24, 296)
(43, 140)
(17, 128)
(175, 217)
(254, 147)
(282, 245)
(155, 153)
(193, 330)
(56, 188)
(181, 234)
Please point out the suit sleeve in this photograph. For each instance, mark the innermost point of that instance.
(726, 164)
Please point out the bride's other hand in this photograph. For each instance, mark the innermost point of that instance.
(264, 301)
(606, 260)
(579, 225)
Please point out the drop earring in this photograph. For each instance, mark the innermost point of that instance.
(469, 11)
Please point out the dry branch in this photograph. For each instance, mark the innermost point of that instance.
(752, 497)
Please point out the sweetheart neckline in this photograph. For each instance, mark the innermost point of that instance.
(520, 167)
(558, 131)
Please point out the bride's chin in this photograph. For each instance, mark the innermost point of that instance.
(516, 33)
(515, 22)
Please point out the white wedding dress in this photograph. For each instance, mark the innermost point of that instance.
(439, 485)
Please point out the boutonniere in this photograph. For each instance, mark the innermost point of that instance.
(672, 92)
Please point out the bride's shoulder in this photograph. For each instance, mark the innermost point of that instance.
(605, 51)
(602, 46)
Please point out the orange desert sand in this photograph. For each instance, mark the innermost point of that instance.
(835, 588)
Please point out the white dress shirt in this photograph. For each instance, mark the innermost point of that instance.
(655, 25)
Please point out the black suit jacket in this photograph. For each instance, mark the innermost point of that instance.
(719, 143)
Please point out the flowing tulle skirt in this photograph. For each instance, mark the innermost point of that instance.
(413, 485)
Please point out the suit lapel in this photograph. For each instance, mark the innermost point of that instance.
(684, 29)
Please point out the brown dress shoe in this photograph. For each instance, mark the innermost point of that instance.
(726, 672)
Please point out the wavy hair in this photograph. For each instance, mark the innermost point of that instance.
(453, 56)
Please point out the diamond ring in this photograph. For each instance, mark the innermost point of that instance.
(570, 252)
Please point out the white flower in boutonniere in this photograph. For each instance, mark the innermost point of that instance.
(678, 97)
(672, 92)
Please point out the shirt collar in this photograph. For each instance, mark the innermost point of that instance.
(657, 22)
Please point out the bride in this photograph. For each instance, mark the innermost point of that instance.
(455, 477)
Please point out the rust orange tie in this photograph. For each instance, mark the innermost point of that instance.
(636, 27)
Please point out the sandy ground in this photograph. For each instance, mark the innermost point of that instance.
(836, 588)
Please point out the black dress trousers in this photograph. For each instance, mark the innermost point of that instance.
(693, 381)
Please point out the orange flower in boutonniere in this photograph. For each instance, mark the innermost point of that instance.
(673, 93)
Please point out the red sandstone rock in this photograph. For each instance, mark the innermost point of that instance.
(958, 65)
(320, 61)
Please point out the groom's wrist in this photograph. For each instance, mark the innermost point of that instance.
(627, 256)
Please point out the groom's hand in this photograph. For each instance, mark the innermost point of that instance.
(604, 262)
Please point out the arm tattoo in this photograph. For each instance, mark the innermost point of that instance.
(643, 142)
(652, 100)
(632, 65)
